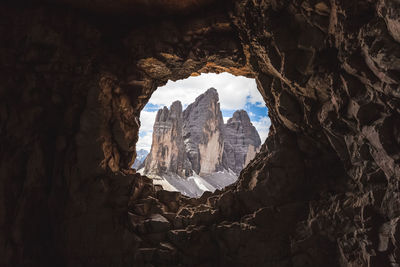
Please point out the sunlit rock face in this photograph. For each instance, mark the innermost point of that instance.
(323, 191)
(167, 152)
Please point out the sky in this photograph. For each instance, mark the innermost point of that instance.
(235, 92)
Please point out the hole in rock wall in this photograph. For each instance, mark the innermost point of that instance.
(197, 134)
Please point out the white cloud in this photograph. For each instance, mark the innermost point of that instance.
(145, 141)
(226, 119)
(147, 119)
(256, 98)
(262, 127)
(234, 91)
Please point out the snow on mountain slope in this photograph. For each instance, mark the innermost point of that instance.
(140, 157)
(194, 186)
(221, 179)
(201, 183)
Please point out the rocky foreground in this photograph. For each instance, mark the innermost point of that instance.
(194, 151)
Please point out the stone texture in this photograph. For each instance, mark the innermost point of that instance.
(198, 141)
(167, 152)
(203, 133)
(241, 141)
(141, 7)
(157, 223)
(323, 191)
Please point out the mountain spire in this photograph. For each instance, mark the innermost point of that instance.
(196, 140)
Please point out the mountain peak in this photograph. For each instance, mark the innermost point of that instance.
(240, 116)
(176, 104)
(174, 110)
(242, 141)
(211, 93)
(196, 141)
(211, 90)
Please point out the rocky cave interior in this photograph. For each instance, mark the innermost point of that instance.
(323, 190)
(223, 114)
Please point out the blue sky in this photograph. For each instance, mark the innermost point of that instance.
(235, 92)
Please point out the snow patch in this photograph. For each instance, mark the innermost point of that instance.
(195, 185)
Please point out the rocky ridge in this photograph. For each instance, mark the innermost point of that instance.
(198, 141)
(203, 133)
(167, 152)
(241, 141)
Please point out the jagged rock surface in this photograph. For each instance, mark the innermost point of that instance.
(203, 133)
(323, 191)
(199, 140)
(167, 154)
(241, 141)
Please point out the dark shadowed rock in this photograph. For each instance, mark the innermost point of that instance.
(323, 191)
(157, 223)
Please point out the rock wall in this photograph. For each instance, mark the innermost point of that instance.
(241, 141)
(74, 83)
(167, 152)
(203, 133)
(198, 141)
(323, 191)
(328, 79)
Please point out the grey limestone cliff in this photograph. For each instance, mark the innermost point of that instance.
(241, 141)
(167, 152)
(197, 140)
(203, 133)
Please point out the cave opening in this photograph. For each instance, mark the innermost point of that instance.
(198, 133)
(323, 191)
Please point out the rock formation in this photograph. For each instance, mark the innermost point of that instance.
(198, 142)
(241, 141)
(141, 155)
(167, 152)
(203, 133)
(322, 191)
